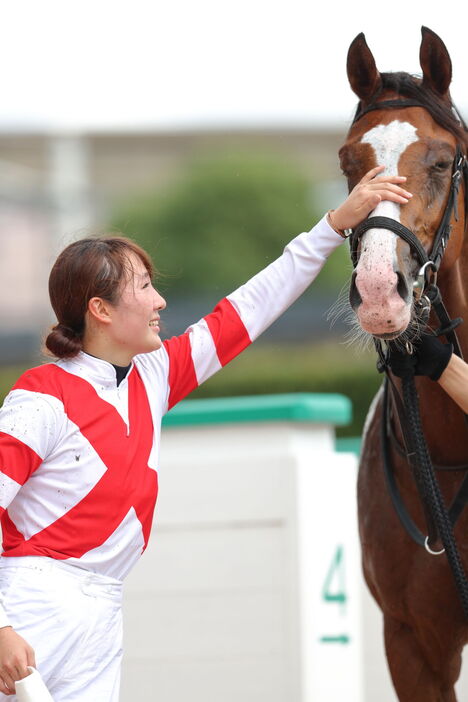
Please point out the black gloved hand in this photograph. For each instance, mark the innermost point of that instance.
(400, 362)
(430, 357)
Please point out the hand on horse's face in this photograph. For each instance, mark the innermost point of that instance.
(366, 195)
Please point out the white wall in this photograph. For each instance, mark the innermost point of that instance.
(229, 601)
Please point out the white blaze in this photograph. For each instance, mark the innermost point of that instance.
(389, 142)
(376, 277)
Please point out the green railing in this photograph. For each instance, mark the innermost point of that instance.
(349, 444)
(294, 407)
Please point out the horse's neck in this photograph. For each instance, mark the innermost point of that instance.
(444, 425)
(453, 286)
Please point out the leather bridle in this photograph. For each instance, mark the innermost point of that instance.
(428, 263)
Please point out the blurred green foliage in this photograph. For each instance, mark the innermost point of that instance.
(8, 377)
(223, 220)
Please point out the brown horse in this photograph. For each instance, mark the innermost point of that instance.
(415, 133)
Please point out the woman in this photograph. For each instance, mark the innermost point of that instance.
(80, 438)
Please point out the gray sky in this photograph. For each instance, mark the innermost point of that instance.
(112, 64)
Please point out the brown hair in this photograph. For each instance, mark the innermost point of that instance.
(94, 267)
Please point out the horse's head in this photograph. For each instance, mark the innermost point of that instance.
(408, 125)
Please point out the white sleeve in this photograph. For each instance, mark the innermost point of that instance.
(269, 293)
(238, 319)
(4, 621)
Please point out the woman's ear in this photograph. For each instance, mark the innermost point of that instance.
(99, 310)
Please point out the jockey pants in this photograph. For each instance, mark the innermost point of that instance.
(72, 619)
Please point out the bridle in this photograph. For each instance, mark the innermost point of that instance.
(428, 263)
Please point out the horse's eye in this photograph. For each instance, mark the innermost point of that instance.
(441, 166)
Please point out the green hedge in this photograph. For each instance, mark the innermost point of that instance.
(286, 368)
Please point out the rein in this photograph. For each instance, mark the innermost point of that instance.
(439, 519)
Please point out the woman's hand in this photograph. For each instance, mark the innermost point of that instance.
(15, 656)
(365, 197)
(430, 357)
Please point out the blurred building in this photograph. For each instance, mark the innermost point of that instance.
(57, 187)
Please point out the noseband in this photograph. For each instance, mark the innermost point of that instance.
(427, 263)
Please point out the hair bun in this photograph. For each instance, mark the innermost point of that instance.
(63, 341)
(66, 331)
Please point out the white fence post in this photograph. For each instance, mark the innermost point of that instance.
(249, 590)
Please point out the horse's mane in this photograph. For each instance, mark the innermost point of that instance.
(442, 111)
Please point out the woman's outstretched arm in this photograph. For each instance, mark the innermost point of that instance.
(187, 360)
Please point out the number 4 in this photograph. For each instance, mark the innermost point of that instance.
(334, 586)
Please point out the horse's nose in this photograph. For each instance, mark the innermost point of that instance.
(400, 286)
(380, 298)
(403, 287)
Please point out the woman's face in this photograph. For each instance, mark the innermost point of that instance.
(134, 324)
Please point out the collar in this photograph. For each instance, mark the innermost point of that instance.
(94, 369)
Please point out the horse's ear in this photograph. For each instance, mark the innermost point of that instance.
(363, 75)
(435, 62)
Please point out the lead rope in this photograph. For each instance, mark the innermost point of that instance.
(431, 490)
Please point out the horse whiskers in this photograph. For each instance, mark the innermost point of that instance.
(340, 309)
(361, 340)
(356, 336)
(411, 334)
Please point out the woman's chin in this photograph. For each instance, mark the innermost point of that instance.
(154, 344)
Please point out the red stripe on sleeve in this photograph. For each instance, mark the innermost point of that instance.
(227, 329)
(17, 460)
(182, 376)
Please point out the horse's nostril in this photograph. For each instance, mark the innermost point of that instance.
(402, 287)
(354, 297)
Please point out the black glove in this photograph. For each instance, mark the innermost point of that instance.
(430, 357)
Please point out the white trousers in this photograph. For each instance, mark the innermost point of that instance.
(73, 620)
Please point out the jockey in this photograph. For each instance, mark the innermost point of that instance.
(79, 441)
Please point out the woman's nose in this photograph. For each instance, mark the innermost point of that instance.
(160, 302)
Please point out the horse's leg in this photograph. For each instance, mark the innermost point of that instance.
(414, 678)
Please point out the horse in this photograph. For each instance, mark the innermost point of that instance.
(410, 125)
